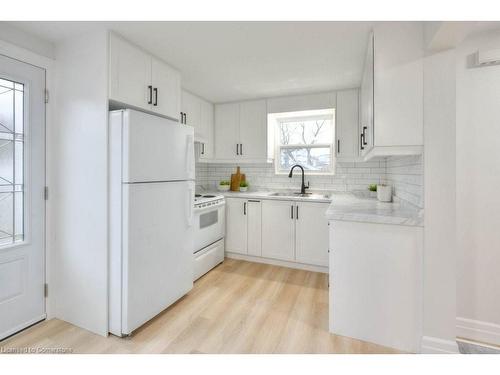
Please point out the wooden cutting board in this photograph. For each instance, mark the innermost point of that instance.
(236, 178)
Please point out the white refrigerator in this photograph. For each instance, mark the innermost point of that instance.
(151, 212)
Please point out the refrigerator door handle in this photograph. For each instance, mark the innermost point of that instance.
(190, 203)
(189, 155)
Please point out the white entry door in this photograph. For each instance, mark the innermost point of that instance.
(22, 205)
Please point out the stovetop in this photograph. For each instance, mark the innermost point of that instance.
(200, 199)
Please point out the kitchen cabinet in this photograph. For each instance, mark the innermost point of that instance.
(227, 131)
(236, 225)
(254, 226)
(347, 125)
(253, 129)
(191, 113)
(166, 84)
(376, 273)
(137, 79)
(391, 105)
(241, 131)
(282, 230)
(278, 229)
(199, 114)
(243, 216)
(206, 133)
(366, 126)
(311, 231)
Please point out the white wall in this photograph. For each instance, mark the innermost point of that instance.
(439, 201)
(79, 183)
(27, 41)
(478, 197)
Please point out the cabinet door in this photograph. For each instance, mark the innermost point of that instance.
(347, 125)
(166, 84)
(236, 225)
(254, 212)
(253, 129)
(191, 106)
(129, 74)
(398, 78)
(367, 102)
(226, 131)
(311, 233)
(207, 123)
(278, 230)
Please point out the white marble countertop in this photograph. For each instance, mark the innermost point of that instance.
(287, 195)
(359, 208)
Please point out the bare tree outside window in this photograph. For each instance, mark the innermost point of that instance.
(306, 141)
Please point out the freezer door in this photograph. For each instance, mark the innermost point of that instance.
(157, 262)
(156, 149)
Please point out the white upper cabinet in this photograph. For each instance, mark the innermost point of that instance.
(199, 114)
(206, 132)
(137, 79)
(392, 91)
(227, 131)
(253, 129)
(347, 125)
(166, 84)
(398, 84)
(366, 125)
(130, 74)
(241, 131)
(191, 110)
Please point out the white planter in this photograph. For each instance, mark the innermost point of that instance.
(224, 187)
(243, 189)
(384, 193)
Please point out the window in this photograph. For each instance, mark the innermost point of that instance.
(11, 162)
(304, 138)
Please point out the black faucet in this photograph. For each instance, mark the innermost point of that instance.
(303, 187)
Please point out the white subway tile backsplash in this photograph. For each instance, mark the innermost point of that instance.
(404, 173)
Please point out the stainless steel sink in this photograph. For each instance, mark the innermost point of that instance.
(306, 195)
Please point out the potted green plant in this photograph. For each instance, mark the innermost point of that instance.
(224, 185)
(373, 190)
(243, 186)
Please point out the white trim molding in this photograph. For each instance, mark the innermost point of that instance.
(434, 345)
(276, 262)
(477, 330)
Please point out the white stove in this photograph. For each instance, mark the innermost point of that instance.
(207, 200)
(209, 231)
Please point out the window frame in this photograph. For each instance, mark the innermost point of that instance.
(329, 114)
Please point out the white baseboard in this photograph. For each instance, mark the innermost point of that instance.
(476, 330)
(434, 345)
(275, 262)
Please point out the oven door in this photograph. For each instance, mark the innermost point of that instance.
(209, 226)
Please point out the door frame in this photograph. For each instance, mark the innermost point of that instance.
(26, 56)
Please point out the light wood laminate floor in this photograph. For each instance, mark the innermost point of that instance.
(239, 307)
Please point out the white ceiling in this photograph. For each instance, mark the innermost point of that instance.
(228, 61)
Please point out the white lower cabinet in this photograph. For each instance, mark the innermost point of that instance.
(278, 230)
(376, 283)
(254, 227)
(236, 225)
(288, 231)
(311, 233)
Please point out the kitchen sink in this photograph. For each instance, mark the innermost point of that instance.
(306, 195)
